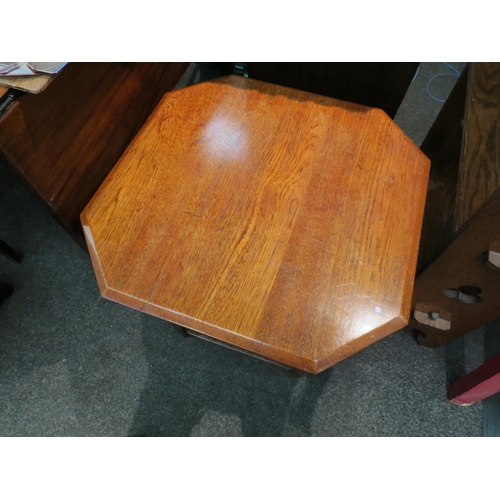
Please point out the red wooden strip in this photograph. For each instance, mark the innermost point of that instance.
(478, 384)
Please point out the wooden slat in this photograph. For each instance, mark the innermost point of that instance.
(64, 141)
(279, 221)
(380, 85)
(480, 166)
(463, 263)
(443, 146)
(477, 385)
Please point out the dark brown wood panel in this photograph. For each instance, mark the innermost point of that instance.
(380, 85)
(480, 166)
(443, 146)
(462, 264)
(64, 141)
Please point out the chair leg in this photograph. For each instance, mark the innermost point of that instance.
(9, 252)
(5, 292)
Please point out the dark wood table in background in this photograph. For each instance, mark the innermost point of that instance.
(63, 141)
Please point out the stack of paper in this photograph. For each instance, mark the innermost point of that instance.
(29, 68)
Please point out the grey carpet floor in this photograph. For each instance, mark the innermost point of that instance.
(74, 364)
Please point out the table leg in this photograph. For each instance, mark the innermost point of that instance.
(296, 373)
(180, 329)
(5, 292)
(9, 252)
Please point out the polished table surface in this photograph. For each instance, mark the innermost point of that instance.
(279, 221)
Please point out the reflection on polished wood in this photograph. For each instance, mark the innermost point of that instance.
(281, 222)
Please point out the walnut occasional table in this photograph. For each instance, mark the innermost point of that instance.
(277, 221)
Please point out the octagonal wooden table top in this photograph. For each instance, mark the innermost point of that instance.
(279, 221)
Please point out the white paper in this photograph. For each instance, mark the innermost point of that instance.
(29, 68)
(16, 69)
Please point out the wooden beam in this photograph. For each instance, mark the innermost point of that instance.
(477, 385)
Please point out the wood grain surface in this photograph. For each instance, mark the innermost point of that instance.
(3, 91)
(282, 222)
(462, 264)
(464, 261)
(64, 141)
(480, 166)
(443, 146)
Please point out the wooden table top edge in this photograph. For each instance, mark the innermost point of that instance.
(307, 364)
(313, 366)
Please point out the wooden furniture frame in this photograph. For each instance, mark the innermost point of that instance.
(458, 286)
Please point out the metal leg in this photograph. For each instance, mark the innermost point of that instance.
(9, 252)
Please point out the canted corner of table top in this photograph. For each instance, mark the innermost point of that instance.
(276, 220)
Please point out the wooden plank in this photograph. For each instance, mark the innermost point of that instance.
(279, 221)
(476, 385)
(65, 141)
(462, 264)
(3, 91)
(480, 165)
(32, 84)
(379, 85)
(443, 146)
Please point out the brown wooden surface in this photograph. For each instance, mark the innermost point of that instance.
(281, 222)
(443, 146)
(380, 85)
(64, 141)
(32, 84)
(3, 91)
(480, 167)
(463, 263)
